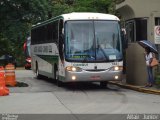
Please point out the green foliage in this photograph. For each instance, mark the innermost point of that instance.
(17, 17)
(66, 6)
(4, 44)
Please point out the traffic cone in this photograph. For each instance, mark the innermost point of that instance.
(10, 78)
(3, 89)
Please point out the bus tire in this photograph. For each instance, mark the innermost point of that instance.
(38, 76)
(103, 84)
(59, 83)
(55, 71)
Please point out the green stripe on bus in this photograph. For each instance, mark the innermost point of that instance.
(50, 59)
(61, 77)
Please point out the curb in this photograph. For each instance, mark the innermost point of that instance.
(136, 88)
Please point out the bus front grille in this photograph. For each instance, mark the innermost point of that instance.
(96, 70)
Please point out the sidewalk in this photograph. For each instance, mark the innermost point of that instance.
(155, 89)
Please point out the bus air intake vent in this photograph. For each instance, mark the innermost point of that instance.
(97, 70)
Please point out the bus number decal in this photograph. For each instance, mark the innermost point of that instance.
(115, 63)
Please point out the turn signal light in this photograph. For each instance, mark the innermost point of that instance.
(73, 69)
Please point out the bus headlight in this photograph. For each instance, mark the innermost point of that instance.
(117, 68)
(73, 69)
(116, 77)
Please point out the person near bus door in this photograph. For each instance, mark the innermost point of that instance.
(148, 58)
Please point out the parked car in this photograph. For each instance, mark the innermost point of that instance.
(5, 59)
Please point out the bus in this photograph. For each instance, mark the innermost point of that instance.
(78, 47)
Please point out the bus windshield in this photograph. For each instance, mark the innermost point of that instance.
(92, 41)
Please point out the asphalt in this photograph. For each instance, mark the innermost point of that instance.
(155, 89)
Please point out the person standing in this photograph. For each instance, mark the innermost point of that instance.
(149, 57)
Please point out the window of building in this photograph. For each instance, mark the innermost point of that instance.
(157, 21)
(141, 29)
(130, 28)
(136, 29)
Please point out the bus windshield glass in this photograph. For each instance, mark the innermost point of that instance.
(92, 41)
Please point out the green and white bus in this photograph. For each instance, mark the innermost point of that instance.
(78, 47)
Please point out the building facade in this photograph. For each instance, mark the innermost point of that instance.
(142, 22)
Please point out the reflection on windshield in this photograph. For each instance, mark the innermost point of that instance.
(92, 41)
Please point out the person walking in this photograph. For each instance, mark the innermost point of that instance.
(149, 57)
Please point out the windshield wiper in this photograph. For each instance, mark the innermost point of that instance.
(100, 48)
(104, 54)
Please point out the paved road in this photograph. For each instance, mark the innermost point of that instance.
(44, 97)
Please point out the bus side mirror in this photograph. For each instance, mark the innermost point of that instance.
(62, 30)
(124, 40)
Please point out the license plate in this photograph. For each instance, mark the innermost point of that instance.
(95, 77)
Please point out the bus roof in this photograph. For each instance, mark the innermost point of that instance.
(80, 16)
(87, 16)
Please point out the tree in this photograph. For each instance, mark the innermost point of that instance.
(94, 5)
(17, 17)
(66, 6)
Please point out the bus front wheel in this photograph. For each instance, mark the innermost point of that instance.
(103, 84)
(38, 76)
(59, 83)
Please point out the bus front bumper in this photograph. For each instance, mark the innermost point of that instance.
(93, 76)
